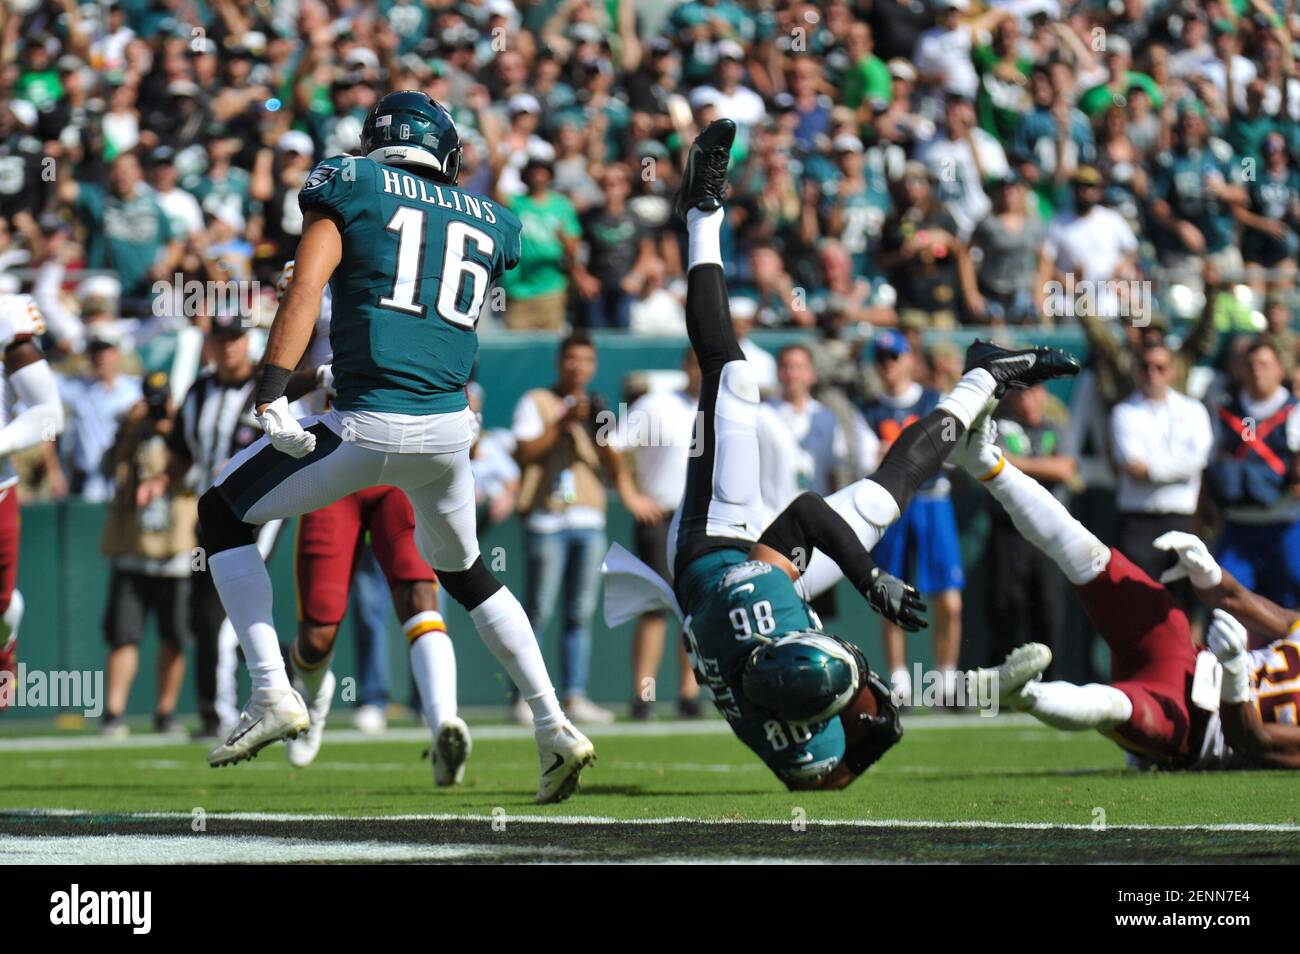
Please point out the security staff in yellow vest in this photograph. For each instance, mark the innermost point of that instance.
(567, 447)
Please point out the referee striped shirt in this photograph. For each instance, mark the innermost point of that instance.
(215, 423)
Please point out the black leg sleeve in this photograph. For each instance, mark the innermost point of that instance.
(917, 455)
(708, 318)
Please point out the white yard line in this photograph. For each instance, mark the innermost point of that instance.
(620, 730)
(883, 823)
(244, 849)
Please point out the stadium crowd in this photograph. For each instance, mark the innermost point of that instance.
(903, 169)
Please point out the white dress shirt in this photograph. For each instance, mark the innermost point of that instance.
(657, 433)
(1173, 438)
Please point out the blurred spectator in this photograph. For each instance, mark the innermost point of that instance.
(537, 290)
(825, 464)
(1253, 477)
(128, 230)
(943, 52)
(618, 251)
(1007, 249)
(566, 443)
(1162, 442)
(1092, 244)
(149, 541)
(1271, 218)
(855, 202)
(95, 406)
(1025, 590)
(657, 440)
(184, 216)
(868, 79)
(655, 310)
(1052, 141)
(920, 252)
(921, 546)
(960, 159)
(1195, 187)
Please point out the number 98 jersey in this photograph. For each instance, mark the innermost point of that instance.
(418, 260)
(732, 604)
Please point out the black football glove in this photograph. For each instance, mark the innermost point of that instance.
(895, 600)
(885, 729)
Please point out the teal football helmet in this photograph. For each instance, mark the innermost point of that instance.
(407, 128)
(804, 676)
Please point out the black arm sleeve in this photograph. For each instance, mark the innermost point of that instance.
(809, 523)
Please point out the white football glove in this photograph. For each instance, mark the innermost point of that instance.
(325, 379)
(286, 434)
(977, 450)
(1194, 560)
(1227, 640)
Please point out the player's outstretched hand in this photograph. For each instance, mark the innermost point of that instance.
(286, 434)
(897, 601)
(1194, 560)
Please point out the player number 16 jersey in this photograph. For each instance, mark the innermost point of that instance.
(419, 258)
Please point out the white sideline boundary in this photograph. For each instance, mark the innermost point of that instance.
(619, 730)
(866, 823)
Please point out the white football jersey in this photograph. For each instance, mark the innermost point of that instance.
(1275, 684)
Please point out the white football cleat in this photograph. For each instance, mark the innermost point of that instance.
(271, 715)
(451, 748)
(563, 752)
(303, 750)
(1022, 666)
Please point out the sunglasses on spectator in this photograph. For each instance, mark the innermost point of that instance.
(1154, 366)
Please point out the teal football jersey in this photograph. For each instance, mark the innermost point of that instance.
(732, 604)
(418, 260)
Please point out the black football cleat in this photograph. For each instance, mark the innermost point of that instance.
(705, 178)
(1020, 369)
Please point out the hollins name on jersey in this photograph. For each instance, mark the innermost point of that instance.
(413, 187)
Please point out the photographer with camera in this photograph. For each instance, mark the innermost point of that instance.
(149, 540)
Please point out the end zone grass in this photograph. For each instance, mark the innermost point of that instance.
(956, 789)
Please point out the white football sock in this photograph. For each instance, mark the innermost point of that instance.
(1063, 705)
(245, 588)
(504, 628)
(968, 396)
(433, 664)
(704, 231)
(311, 675)
(1046, 523)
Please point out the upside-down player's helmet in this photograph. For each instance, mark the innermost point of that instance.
(408, 128)
(804, 676)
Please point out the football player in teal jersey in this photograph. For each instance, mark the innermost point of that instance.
(803, 700)
(409, 259)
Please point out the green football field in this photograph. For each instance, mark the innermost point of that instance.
(957, 789)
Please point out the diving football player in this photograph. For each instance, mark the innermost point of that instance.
(409, 258)
(803, 700)
(1166, 705)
